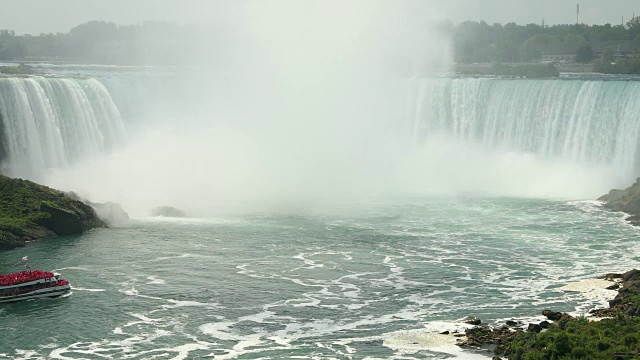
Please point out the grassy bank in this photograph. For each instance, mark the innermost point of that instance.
(17, 70)
(29, 211)
(563, 337)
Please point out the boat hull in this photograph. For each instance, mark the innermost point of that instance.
(41, 293)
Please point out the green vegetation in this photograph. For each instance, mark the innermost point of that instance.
(584, 54)
(581, 339)
(17, 70)
(479, 42)
(628, 65)
(165, 43)
(99, 42)
(25, 211)
(525, 70)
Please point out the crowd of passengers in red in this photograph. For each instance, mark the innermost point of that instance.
(24, 277)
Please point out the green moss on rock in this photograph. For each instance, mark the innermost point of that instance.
(29, 211)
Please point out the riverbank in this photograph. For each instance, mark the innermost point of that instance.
(488, 69)
(627, 201)
(610, 333)
(30, 211)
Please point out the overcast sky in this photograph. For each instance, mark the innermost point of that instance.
(38, 16)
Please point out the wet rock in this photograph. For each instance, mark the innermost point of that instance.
(627, 200)
(613, 287)
(552, 315)
(631, 275)
(612, 276)
(544, 324)
(444, 333)
(511, 323)
(110, 212)
(534, 328)
(68, 221)
(625, 303)
(473, 321)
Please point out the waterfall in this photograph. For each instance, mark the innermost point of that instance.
(587, 122)
(556, 130)
(53, 122)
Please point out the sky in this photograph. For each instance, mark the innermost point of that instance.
(44, 16)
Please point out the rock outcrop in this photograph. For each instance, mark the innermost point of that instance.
(627, 200)
(627, 302)
(110, 212)
(30, 211)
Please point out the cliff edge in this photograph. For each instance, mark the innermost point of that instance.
(30, 211)
(627, 200)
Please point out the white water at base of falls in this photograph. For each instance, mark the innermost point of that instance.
(51, 122)
(531, 138)
(588, 123)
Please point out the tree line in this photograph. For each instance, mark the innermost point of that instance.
(150, 43)
(479, 42)
(165, 43)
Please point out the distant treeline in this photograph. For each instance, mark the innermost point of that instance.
(151, 43)
(165, 43)
(479, 42)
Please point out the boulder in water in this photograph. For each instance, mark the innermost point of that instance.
(168, 211)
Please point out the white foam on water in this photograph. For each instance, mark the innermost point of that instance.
(222, 331)
(588, 285)
(143, 318)
(187, 303)
(155, 281)
(411, 341)
(131, 292)
(190, 220)
(593, 291)
(90, 290)
(25, 354)
(184, 350)
(71, 268)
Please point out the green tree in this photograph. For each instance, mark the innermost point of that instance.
(584, 54)
(607, 56)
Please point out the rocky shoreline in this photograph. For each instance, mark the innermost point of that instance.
(615, 336)
(30, 211)
(548, 339)
(627, 201)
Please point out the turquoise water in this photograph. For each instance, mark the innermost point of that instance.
(336, 284)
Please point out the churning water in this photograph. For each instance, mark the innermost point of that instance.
(376, 282)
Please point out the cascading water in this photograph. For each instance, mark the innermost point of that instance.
(51, 122)
(581, 121)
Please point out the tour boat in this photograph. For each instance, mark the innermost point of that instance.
(31, 284)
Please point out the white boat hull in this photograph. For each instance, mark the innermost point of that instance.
(40, 293)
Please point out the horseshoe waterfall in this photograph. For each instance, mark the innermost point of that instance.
(392, 274)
